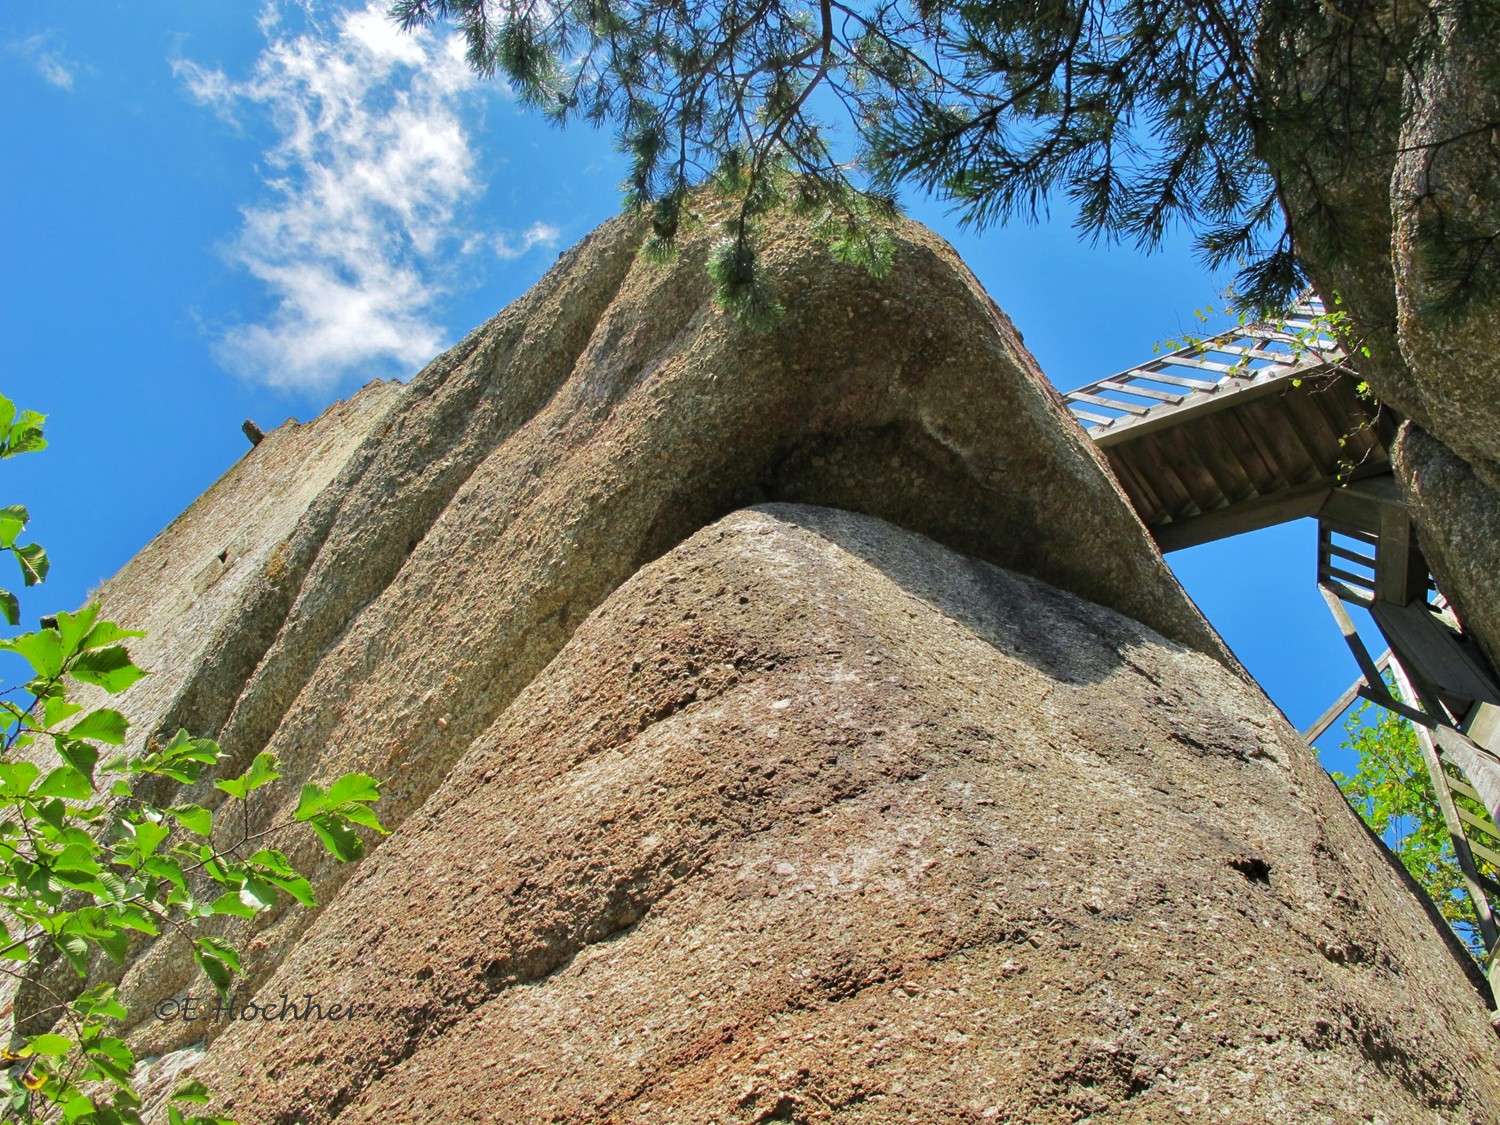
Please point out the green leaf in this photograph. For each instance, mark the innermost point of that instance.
(163, 867)
(353, 787)
(50, 1045)
(299, 888)
(149, 834)
(65, 782)
(262, 771)
(195, 818)
(338, 838)
(106, 633)
(56, 708)
(230, 902)
(80, 755)
(42, 650)
(257, 893)
(361, 815)
(34, 563)
(100, 1001)
(191, 1091)
(108, 668)
(76, 950)
(310, 803)
(17, 777)
(273, 862)
(10, 607)
(75, 626)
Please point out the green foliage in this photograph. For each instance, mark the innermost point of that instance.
(86, 864)
(1141, 114)
(1393, 792)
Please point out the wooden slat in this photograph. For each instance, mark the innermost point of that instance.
(1200, 364)
(1142, 392)
(1484, 853)
(1148, 504)
(1234, 474)
(1257, 353)
(1171, 380)
(1177, 498)
(1090, 416)
(1263, 476)
(1329, 571)
(1191, 470)
(1352, 556)
(1099, 400)
(1480, 823)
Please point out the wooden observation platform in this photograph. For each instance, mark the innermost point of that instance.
(1266, 423)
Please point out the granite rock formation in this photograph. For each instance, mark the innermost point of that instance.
(776, 727)
(1391, 178)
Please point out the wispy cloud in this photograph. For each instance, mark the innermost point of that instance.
(371, 174)
(48, 60)
(509, 246)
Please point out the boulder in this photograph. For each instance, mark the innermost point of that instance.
(589, 428)
(1381, 135)
(1458, 521)
(814, 819)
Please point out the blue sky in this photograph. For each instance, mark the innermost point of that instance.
(219, 211)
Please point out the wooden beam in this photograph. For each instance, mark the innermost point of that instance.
(1483, 913)
(1251, 515)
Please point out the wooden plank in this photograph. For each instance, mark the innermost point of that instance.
(1147, 503)
(1465, 788)
(1431, 651)
(1401, 573)
(1200, 364)
(1481, 824)
(1090, 416)
(1462, 848)
(1226, 396)
(1351, 637)
(1360, 581)
(1342, 703)
(1250, 515)
(1142, 392)
(1155, 465)
(1266, 417)
(1304, 413)
(1352, 556)
(1100, 400)
(1240, 421)
(1192, 469)
(1257, 353)
(1210, 439)
(1169, 379)
(1229, 430)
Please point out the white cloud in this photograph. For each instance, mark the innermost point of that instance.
(370, 177)
(48, 61)
(510, 246)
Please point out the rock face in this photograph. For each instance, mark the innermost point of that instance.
(592, 426)
(1460, 519)
(814, 819)
(1392, 181)
(767, 814)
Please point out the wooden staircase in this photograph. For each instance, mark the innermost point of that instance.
(1266, 423)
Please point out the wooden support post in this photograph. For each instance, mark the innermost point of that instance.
(1473, 881)
(1351, 637)
(1400, 572)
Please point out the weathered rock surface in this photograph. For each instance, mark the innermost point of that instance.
(816, 820)
(809, 816)
(1445, 200)
(596, 423)
(1387, 157)
(1458, 516)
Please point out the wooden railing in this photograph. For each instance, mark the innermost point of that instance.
(1245, 356)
